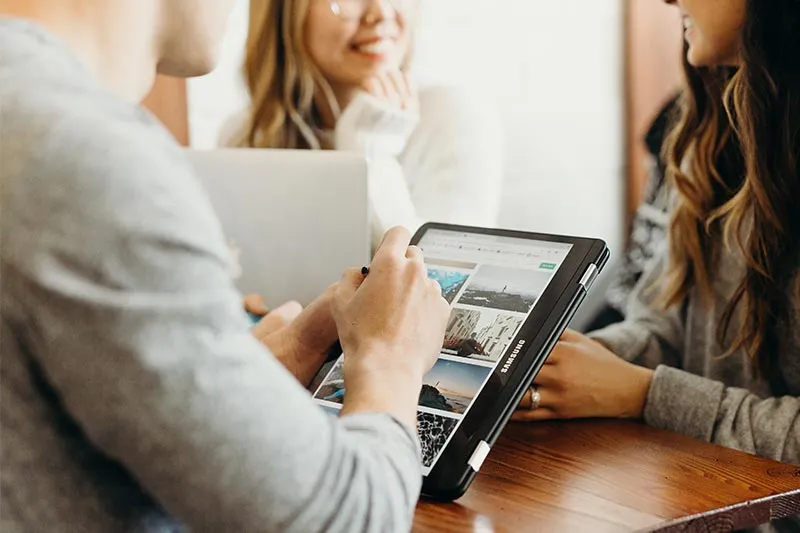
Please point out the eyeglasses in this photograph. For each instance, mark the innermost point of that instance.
(356, 9)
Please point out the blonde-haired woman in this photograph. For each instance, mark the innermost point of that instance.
(328, 74)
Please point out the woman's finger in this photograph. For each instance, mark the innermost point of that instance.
(393, 91)
(374, 87)
(570, 335)
(411, 88)
(542, 413)
(383, 87)
(560, 351)
(546, 399)
(413, 92)
(548, 377)
(400, 87)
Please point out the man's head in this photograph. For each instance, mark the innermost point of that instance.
(189, 35)
(126, 41)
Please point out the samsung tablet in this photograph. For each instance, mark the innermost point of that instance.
(511, 294)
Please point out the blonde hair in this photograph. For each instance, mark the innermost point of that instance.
(281, 78)
(286, 87)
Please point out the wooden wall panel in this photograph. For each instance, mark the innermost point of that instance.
(654, 46)
(168, 102)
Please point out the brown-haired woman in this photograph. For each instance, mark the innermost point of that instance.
(711, 343)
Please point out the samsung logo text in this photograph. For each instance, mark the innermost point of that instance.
(512, 356)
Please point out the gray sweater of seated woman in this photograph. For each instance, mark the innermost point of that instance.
(697, 393)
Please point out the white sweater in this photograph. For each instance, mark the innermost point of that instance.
(444, 164)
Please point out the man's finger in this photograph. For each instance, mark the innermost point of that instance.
(352, 278)
(435, 287)
(288, 311)
(254, 303)
(395, 243)
(414, 252)
(278, 318)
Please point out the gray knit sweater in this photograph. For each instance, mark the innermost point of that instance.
(133, 397)
(695, 392)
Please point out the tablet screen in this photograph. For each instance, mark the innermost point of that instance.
(492, 283)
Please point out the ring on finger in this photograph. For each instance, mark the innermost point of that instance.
(536, 398)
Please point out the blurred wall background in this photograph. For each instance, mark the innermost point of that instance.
(575, 83)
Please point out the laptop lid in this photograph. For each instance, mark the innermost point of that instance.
(294, 219)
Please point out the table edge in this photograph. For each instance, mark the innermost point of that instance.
(776, 506)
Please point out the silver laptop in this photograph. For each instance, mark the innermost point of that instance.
(294, 219)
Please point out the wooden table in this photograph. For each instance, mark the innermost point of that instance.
(605, 475)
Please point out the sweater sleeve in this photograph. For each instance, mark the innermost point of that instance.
(733, 417)
(120, 276)
(689, 404)
(379, 131)
(454, 159)
(443, 165)
(649, 335)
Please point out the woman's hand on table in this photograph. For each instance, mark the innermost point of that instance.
(584, 379)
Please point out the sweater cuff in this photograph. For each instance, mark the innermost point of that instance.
(374, 127)
(399, 441)
(683, 403)
(368, 422)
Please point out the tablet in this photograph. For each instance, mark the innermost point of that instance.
(511, 294)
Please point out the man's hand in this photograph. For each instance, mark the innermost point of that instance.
(274, 320)
(256, 305)
(300, 338)
(391, 326)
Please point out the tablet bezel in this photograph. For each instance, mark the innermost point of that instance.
(451, 475)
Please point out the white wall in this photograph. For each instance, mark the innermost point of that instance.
(552, 69)
(214, 98)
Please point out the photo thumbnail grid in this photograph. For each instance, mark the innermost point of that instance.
(489, 304)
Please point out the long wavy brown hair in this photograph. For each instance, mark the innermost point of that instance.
(286, 87)
(734, 161)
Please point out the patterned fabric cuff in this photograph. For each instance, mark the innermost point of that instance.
(683, 403)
